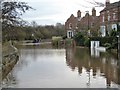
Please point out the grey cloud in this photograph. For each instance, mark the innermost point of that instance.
(42, 9)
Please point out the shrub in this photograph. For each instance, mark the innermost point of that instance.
(68, 41)
(113, 33)
(79, 38)
(87, 42)
(64, 37)
(107, 44)
(55, 40)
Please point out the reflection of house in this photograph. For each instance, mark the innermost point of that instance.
(70, 57)
(107, 65)
(75, 24)
(109, 17)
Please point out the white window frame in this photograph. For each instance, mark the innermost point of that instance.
(114, 26)
(103, 31)
(108, 17)
(69, 34)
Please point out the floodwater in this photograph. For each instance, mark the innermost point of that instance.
(64, 68)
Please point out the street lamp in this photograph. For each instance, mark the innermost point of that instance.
(118, 28)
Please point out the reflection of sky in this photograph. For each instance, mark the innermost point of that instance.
(53, 11)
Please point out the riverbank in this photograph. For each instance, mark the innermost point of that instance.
(9, 57)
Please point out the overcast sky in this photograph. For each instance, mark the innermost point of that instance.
(49, 12)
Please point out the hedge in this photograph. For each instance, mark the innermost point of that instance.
(104, 40)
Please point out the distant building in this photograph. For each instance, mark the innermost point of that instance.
(87, 23)
(109, 18)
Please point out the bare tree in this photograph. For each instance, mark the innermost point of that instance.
(11, 12)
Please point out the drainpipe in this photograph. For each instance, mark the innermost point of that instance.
(87, 12)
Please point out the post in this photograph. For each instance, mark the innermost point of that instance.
(88, 20)
(118, 29)
(119, 42)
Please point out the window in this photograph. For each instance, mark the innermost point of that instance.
(103, 31)
(70, 26)
(114, 27)
(103, 18)
(69, 34)
(92, 24)
(114, 16)
(76, 26)
(108, 11)
(108, 17)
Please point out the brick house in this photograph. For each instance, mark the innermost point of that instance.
(88, 23)
(109, 18)
(71, 24)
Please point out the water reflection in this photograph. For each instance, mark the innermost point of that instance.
(63, 68)
(95, 52)
(103, 64)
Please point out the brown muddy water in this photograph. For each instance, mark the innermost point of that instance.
(64, 68)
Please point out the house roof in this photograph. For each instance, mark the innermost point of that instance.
(111, 6)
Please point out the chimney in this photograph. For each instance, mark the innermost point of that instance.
(107, 2)
(79, 14)
(93, 12)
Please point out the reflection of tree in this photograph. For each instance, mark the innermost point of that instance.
(8, 67)
(10, 80)
(7, 75)
(106, 63)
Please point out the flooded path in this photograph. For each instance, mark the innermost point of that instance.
(64, 68)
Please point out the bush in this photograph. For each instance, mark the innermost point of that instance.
(113, 33)
(107, 45)
(87, 42)
(79, 38)
(68, 41)
(55, 40)
(64, 37)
